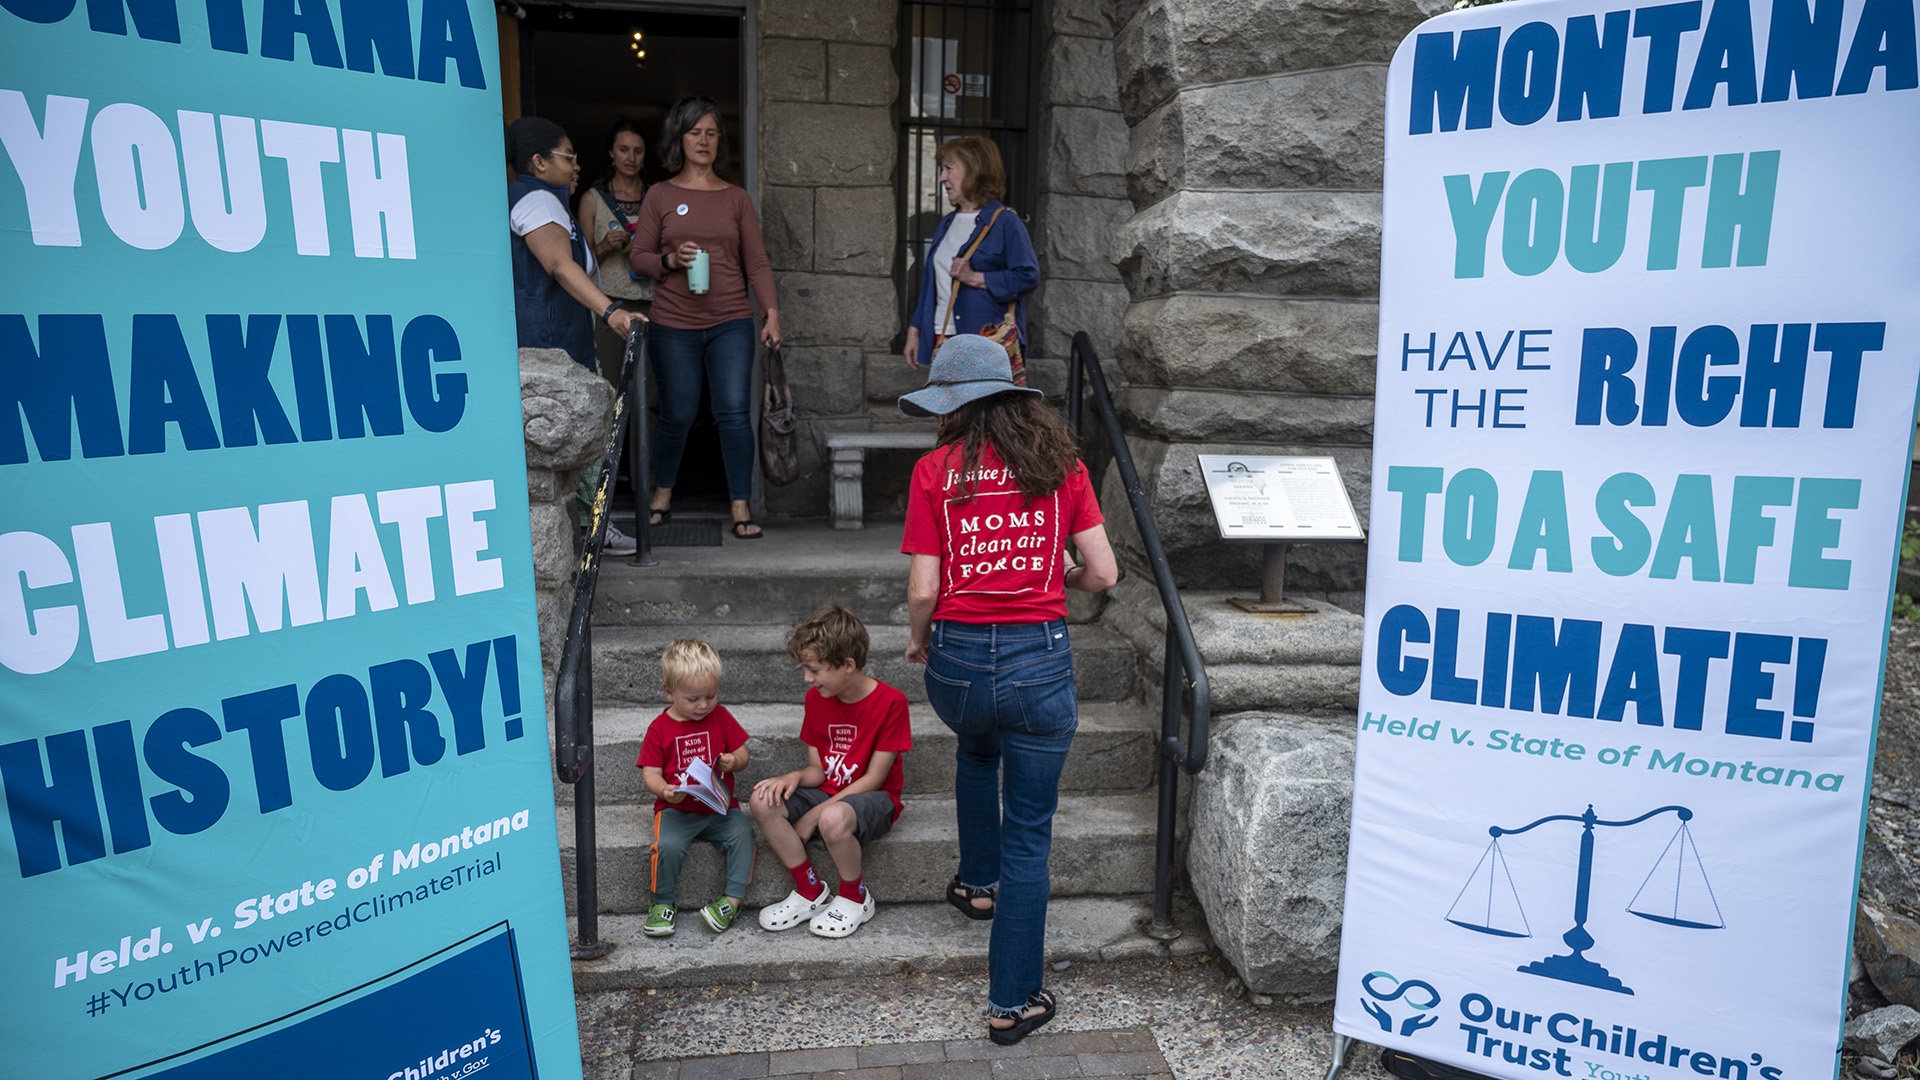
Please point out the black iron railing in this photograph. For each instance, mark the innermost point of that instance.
(573, 688)
(1183, 674)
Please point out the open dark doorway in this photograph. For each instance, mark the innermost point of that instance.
(579, 68)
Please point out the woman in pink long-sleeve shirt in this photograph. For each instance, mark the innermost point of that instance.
(703, 339)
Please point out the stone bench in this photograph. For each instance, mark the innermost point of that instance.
(849, 449)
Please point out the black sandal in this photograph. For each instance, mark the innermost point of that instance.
(664, 516)
(963, 896)
(1024, 1025)
(743, 523)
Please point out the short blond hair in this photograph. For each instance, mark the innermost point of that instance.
(688, 660)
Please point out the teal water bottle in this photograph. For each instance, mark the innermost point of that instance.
(697, 272)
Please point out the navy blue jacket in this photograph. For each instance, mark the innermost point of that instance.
(544, 314)
(1006, 259)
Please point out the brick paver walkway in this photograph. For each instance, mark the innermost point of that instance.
(1126, 1053)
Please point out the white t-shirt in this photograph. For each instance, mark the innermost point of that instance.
(943, 256)
(537, 208)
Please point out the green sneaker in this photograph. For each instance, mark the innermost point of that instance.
(659, 921)
(719, 914)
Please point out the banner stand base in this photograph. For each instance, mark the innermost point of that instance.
(1342, 1046)
(1409, 1067)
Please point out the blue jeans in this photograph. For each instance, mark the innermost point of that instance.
(721, 357)
(1007, 691)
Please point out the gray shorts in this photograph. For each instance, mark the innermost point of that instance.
(872, 811)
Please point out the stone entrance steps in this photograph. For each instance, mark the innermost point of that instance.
(626, 662)
(1114, 750)
(742, 598)
(798, 568)
(1103, 832)
(1102, 845)
(902, 937)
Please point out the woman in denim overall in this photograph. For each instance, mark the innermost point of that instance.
(989, 511)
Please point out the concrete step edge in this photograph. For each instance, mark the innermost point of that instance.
(904, 937)
(923, 819)
(620, 724)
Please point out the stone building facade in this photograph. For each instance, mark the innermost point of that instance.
(1206, 207)
(1252, 257)
(1206, 203)
(828, 209)
(830, 92)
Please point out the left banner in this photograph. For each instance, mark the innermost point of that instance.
(271, 720)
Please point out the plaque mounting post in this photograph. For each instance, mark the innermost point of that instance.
(1273, 586)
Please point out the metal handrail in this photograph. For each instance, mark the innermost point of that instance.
(1182, 669)
(573, 687)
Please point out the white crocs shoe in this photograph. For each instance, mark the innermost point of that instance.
(842, 917)
(793, 911)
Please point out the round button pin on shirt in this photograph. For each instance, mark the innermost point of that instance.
(681, 209)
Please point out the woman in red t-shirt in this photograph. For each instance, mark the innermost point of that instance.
(988, 514)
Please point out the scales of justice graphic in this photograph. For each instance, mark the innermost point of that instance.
(1675, 892)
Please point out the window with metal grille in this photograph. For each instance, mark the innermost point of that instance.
(968, 67)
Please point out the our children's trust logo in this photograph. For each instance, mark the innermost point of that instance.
(1417, 994)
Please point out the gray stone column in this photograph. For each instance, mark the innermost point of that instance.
(828, 210)
(1252, 255)
(1082, 146)
(566, 410)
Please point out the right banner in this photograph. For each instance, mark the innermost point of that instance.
(1649, 343)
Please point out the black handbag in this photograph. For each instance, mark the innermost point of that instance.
(779, 445)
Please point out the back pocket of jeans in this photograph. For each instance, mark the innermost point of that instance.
(948, 698)
(1048, 704)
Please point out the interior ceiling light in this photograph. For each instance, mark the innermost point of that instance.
(639, 50)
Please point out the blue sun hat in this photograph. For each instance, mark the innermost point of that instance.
(968, 367)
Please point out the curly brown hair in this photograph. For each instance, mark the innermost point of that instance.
(831, 636)
(1031, 439)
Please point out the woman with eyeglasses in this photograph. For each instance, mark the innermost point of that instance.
(555, 295)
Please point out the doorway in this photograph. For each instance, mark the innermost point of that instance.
(582, 67)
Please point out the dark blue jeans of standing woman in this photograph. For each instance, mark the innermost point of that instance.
(1007, 691)
(721, 357)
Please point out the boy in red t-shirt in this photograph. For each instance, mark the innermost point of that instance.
(855, 728)
(695, 726)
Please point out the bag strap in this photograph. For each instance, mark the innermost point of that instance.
(775, 370)
(968, 254)
(613, 204)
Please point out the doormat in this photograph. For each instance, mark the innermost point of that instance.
(685, 534)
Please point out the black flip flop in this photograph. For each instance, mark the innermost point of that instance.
(665, 516)
(1026, 1025)
(955, 891)
(738, 525)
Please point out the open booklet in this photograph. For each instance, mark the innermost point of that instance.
(704, 784)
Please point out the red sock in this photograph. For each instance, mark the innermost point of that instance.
(853, 889)
(805, 881)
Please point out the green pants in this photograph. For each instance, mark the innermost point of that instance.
(674, 832)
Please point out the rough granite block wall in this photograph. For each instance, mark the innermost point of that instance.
(827, 206)
(1251, 257)
(1082, 149)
